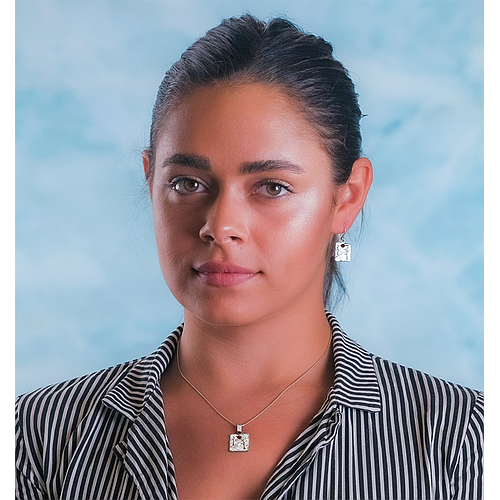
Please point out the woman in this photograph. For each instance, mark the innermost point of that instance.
(255, 174)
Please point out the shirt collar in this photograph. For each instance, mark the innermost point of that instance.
(134, 390)
(355, 383)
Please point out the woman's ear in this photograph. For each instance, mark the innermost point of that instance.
(145, 163)
(351, 196)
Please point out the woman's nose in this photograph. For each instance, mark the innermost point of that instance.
(224, 222)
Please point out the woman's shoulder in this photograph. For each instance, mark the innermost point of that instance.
(436, 401)
(48, 418)
(395, 377)
(72, 398)
(96, 382)
(374, 383)
(94, 386)
(70, 402)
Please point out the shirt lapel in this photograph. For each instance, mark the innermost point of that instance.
(355, 384)
(144, 451)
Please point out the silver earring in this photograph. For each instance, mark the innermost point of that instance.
(342, 250)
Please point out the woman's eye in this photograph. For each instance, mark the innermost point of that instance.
(274, 189)
(185, 185)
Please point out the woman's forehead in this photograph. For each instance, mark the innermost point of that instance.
(248, 117)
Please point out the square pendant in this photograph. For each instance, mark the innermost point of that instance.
(342, 252)
(239, 442)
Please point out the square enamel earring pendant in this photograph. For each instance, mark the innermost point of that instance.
(342, 250)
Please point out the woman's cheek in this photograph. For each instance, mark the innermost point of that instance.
(295, 237)
(311, 216)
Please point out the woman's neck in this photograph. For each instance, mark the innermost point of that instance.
(271, 352)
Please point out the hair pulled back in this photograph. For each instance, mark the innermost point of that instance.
(277, 53)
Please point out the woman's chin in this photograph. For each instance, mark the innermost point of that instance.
(228, 312)
(234, 316)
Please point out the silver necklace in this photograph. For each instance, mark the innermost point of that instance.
(241, 441)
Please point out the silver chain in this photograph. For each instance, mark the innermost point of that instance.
(267, 407)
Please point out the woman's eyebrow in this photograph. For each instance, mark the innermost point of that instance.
(270, 165)
(252, 167)
(194, 161)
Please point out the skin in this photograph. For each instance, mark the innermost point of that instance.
(241, 179)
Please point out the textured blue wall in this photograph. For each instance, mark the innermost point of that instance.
(89, 290)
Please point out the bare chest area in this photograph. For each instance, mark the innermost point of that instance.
(200, 442)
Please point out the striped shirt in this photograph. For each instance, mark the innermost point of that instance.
(383, 432)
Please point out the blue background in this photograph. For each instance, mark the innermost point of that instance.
(89, 291)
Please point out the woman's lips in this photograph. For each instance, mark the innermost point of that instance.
(223, 273)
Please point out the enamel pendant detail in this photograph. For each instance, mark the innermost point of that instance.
(239, 441)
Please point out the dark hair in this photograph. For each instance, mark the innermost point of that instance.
(277, 53)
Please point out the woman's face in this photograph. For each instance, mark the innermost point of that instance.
(243, 204)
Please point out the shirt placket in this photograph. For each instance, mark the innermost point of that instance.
(296, 461)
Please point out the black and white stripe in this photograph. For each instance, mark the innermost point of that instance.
(384, 432)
